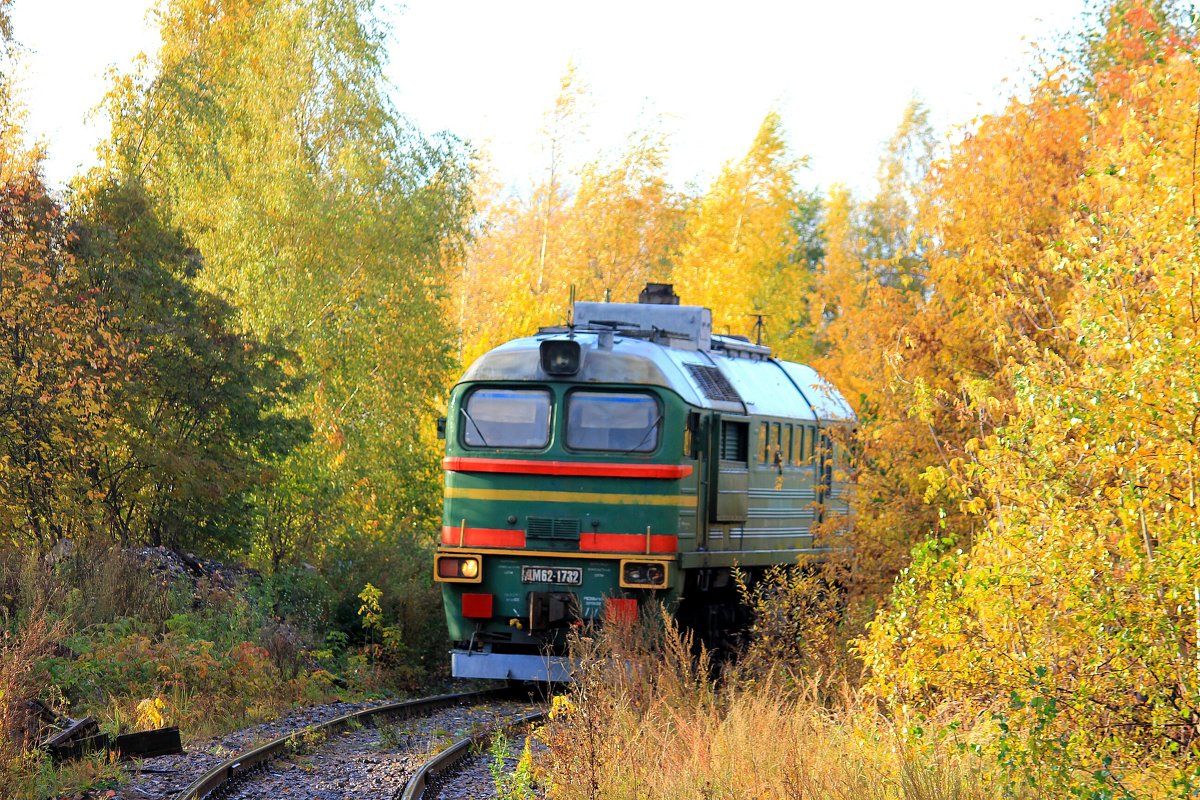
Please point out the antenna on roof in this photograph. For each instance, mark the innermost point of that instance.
(571, 308)
(758, 326)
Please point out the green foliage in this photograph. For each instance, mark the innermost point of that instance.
(517, 784)
(131, 409)
(237, 337)
(370, 612)
(392, 736)
(387, 645)
(230, 341)
(213, 660)
(200, 417)
(301, 595)
(328, 221)
(412, 605)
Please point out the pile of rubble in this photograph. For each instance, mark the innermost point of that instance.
(168, 565)
(171, 565)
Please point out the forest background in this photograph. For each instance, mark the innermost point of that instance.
(233, 336)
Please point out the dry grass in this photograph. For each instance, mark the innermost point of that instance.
(21, 650)
(644, 721)
(94, 633)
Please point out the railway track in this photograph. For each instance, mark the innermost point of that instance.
(437, 768)
(385, 751)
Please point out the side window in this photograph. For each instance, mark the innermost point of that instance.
(798, 445)
(764, 443)
(787, 438)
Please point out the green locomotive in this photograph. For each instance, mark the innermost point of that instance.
(632, 456)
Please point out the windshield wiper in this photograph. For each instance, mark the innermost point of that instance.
(653, 427)
(482, 438)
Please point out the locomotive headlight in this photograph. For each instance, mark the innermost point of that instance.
(561, 356)
(643, 574)
(457, 569)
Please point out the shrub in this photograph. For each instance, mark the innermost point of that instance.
(799, 626)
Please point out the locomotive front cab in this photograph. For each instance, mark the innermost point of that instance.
(597, 467)
(565, 499)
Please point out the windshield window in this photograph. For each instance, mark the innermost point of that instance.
(607, 421)
(506, 418)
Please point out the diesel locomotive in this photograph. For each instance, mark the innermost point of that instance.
(632, 456)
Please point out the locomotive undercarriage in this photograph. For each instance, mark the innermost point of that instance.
(710, 606)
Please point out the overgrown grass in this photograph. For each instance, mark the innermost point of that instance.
(97, 634)
(644, 720)
(20, 651)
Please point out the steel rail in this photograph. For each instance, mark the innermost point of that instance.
(241, 764)
(415, 788)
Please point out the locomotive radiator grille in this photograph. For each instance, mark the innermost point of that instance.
(557, 529)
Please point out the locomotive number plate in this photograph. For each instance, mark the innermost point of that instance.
(569, 576)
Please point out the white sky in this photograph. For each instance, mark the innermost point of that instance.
(487, 70)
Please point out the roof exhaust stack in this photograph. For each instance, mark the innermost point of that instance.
(658, 294)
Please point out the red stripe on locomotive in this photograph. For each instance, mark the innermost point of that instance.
(482, 537)
(588, 542)
(627, 542)
(517, 466)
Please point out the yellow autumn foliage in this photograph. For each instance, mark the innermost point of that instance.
(1059, 348)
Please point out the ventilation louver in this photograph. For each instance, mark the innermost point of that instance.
(713, 383)
(553, 528)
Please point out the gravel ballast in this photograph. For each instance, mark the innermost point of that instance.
(372, 761)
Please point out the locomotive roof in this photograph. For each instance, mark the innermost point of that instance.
(723, 373)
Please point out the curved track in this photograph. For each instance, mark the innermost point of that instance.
(229, 776)
(444, 761)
